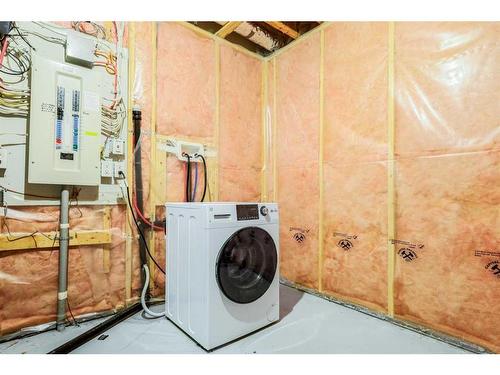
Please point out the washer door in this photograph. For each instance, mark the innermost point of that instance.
(246, 265)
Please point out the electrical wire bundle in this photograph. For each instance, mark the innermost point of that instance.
(191, 191)
(109, 63)
(13, 62)
(112, 115)
(113, 119)
(89, 28)
(13, 101)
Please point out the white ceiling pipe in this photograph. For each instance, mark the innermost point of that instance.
(255, 35)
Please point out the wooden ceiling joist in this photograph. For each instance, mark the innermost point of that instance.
(284, 29)
(228, 28)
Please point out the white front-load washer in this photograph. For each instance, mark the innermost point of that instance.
(222, 269)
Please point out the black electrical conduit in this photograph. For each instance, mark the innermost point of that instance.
(136, 119)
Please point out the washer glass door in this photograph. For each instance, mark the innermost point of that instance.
(246, 265)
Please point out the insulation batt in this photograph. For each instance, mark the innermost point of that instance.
(28, 279)
(447, 244)
(297, 122)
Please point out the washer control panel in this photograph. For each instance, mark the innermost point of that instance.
(247, 212)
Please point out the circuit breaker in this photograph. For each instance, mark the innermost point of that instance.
(65, 124)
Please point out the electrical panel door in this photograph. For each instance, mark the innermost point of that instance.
(64, 124)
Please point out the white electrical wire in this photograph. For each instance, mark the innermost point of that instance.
(13, 102)
(143, 296)
(112, 120)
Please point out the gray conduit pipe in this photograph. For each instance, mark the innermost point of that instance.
(62, 289)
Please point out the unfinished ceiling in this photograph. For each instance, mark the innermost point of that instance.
(262, 37)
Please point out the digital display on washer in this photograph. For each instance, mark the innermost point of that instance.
(247, 211)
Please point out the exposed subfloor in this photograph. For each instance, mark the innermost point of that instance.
(308, 324)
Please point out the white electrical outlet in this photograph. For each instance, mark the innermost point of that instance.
(118, 147)
(106, 168)
(119, 166)
(3, 158)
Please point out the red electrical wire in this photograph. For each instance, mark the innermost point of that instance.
(136, 208)
(4, 50)
(134, 203)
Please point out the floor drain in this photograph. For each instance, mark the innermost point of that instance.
(103, 337)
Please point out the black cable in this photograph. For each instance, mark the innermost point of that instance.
(22, 37)
(71, 313)
(204, 175)
(138, 183)
(19, 62)
(140, 231)
(27, 194)
(74, 197)
(32, 235)
(188, 178)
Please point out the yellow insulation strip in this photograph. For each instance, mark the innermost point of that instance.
(265, 139)
(391, 227)
(321, 156)
(275, 135)
(217, 121)
(130, 167)
(152, 164)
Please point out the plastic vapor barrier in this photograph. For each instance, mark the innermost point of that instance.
(447, 177)
(439, 267)
(297, 142)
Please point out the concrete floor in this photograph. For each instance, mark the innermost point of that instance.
(46, 341)
(308, 325)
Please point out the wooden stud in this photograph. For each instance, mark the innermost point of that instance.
(275, 133)
(130, 165)
(152, 164)
(106, 250)
(264, 151)
(297, 41)
(215, 38)
(391, 199)
(321, 158)
(285, 29)
(161, 177)
(215, 171)
(50, 240)
(227, 29)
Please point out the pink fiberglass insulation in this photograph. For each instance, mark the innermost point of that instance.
(355, 172)
(240, 129)
(448, 90)
(297, 95)
(28, 282)
(186, 82)
(446, 170)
